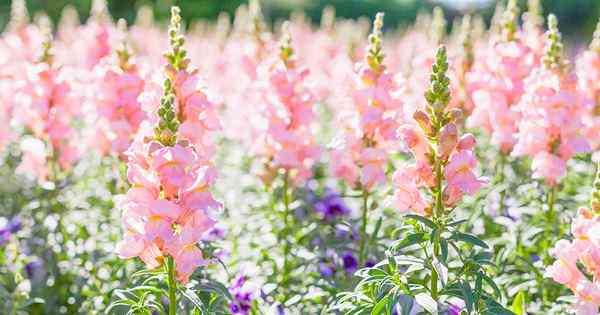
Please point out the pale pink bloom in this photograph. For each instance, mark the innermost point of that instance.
(175, 168)
(120, 112)
(564, 270)
(588, 74)
(407, 196)
(588, 298)
(34, 162)
(342, 165)
(549, 167)
(288, 108)
(373, 167)
(496, 86)
(415, 140)
(460, 177)
(550, 130)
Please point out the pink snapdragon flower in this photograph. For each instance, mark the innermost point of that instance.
(444, 163)
(169, 223)
(550, 130)
(118, 107)
(588, 74)
(46, 105)
(497, 82)
(289, 141)
(375, 116)
(584, 251)
(166, 212)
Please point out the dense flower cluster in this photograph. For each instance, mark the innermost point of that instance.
(551, 110)
(289, 143)
(441, 155)
(45, 104)
(166, 212)
(583, 250)
(118, 106)
(362, 156)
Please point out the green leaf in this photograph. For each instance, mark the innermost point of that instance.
(411, 239)
(518, 305)
(380, 306)
(427, 302)
(422, 219)
(192, 297)
(468, 238)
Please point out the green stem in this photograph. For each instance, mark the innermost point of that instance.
(172, 285)
(363, 228)
(438, 212)
(286, 221)
(550, 200)
(500, 181)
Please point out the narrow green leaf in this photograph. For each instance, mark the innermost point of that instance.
(422, 219)
(518, 305)
(468, 238)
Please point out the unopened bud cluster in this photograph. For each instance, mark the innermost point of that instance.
(375, 53)
(554, 48)
(177, 55)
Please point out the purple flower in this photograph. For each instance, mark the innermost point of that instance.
(280, 310)
(214, 234)
(327, 270)
(369, 263)
(350, 262)
(13, 226)
(331, 205)
(242, 298)
(32, 268)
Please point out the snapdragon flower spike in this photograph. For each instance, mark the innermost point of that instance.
(583, 250)
(441, 154)
(195, 109)
(362, 158)
(550, 129)
(553, 55)
(119, 110)
(45, 105)
(289, 141)
(588, 75)
(496, 83)
(509, 21)
(166, 211)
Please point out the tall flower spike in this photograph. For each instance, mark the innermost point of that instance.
(509, 21)
(466, 40)
(19, 17)
(554, 48)
(375, 53)
(47, 57)
(595, 44)
(123, 52)
(176, 56)
(438, 26)
(438, 94)
(257, 23)
(595, 200)
(165, 131)
(534, 18)
(286, 52)
(99, 11)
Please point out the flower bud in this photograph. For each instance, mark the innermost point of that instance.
(455, 115)
(448, 140)
(424, 122)
(466, 142)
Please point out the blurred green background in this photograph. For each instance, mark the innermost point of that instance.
(576, 17)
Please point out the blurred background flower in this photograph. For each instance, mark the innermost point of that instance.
(577, 17)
